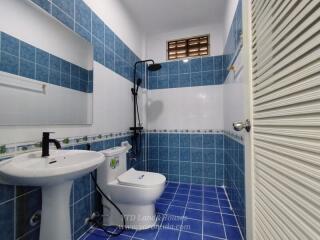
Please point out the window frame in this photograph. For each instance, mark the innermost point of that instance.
(187, 47)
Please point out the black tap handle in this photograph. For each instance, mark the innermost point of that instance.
(47, 132)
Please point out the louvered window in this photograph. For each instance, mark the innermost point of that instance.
(286, 118)
(188, 47)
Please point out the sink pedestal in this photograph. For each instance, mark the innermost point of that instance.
(55, 215)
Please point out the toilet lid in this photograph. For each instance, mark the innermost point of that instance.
(141, 179)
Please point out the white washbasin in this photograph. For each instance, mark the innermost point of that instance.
(55, 174)
(31, 169)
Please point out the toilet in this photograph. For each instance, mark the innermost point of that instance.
(134, 192)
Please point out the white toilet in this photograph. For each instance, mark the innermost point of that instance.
(134, 192)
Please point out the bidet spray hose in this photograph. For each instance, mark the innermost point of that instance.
(113, 204)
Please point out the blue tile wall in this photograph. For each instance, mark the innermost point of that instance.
(187, 157)
(23, 59)
(109, 49)
(234, 178)
(203, 71)
(234, 38)
(18, 204)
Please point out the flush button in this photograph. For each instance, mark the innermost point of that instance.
(141, 177)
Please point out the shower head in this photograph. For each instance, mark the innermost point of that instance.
(154, 67)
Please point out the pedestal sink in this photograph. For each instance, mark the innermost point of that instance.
(55, 174)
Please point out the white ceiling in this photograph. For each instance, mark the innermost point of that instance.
(157, 16)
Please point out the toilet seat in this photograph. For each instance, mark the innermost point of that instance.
(141, 179)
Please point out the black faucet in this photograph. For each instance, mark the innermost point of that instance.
(45, 143)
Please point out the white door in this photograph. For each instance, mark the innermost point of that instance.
(248, 137)
(282, 43)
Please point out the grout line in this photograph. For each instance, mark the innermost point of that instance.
(184, 213)
(27, 233)
(224, 228)
(7, 201)
(202, 213)
(166, 210)
(225, 191)
(14, 214)
(86, 234)
(238, 226)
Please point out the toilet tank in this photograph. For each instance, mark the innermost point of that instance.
(114, 165)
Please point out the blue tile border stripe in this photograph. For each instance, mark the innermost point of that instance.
(25, 60)
(202, 71)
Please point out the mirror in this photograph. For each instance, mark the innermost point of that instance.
(46, 70)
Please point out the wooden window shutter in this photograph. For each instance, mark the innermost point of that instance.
(188, 47)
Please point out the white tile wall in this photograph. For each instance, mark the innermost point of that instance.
(186, 108)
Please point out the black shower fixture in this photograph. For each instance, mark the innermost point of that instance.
(154, 67)
(136, 84)
(137, 128)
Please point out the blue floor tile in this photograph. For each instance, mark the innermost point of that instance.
(222, 196)
(210, 195)
(229, 220)
(226, 210)
(164, 234)
(172, 184)
(184, 185)
(211, 201)
(191, 225)
(210, 238)
(211, 208)
(168, 196)
(197, 187)
(233, 233)
(121, 237)
(194, 206)
(209, 188)
(212, 217)
(161, 208)
(193, 213)
(213, 229)
(163, 201)
(224, 203)
(196, 193)
(195, 199)
(95, 234)
(171, 222)
(186, 212)
(146, 234)
(176, 211)
(129, 232)
(190, 236)
(183, 191)
(182, 198)
(170, 190)
(179, 203)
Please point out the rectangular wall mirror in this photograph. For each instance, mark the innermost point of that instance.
(46, 70)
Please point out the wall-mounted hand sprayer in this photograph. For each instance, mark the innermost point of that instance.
(137, 128)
